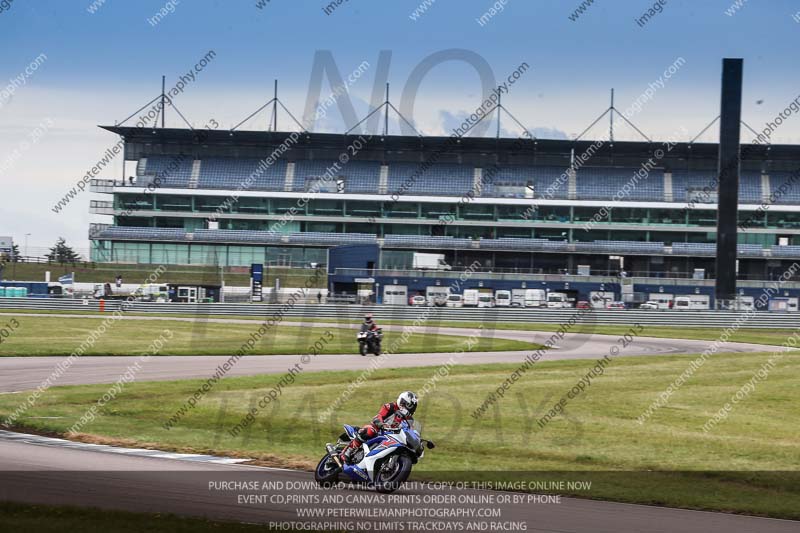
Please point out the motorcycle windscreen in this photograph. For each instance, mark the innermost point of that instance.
(413, 441)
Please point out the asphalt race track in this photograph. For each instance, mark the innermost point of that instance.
(74, 476)
(53, 471)
(24, 373)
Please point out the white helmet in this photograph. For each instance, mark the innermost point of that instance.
(407, 403)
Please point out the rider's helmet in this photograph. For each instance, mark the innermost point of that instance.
(407, 403)
(368, 318)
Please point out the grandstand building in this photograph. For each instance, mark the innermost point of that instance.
(539, 206)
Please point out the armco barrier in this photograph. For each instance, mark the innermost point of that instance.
(719, 319)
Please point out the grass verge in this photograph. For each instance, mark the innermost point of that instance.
(768, 336)
(36, 336)
(749, 463)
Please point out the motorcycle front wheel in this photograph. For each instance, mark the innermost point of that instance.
(327, 472)
(391, 473)
(362, 348)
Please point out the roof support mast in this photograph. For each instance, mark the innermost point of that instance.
(611, 110)
(163, 98)
(499, 110)
(386, 113)
(275, 107)
(272, 122)
(385, 106)
(611, 118)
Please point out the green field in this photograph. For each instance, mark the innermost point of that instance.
(769, 336)
(739, 466)
(23, 518)
(37, 335)
(107, 273)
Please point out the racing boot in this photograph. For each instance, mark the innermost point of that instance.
(347, 454)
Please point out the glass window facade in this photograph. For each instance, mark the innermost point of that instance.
(464, 220)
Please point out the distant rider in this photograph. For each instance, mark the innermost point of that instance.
(369, 324)
(391, 414)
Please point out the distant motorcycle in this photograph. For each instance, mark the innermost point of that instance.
(370, 341)
(384, 462)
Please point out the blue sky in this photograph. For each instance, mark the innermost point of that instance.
(100, 67)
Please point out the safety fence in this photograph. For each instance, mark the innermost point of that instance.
(340, 312)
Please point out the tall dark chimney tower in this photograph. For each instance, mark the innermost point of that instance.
(729, 168)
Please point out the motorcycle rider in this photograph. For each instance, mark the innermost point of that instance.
(390, 414)
(369, 324)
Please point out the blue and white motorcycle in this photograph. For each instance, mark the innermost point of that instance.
(383, 462)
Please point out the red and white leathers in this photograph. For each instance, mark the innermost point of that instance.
(389, 415)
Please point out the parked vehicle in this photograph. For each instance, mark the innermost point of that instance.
(418, 301)
(106, 292)
(583, 304)
(455, 300)
(430, 262)
(152, 292)
(437, 296)
(650, 304)
(697, 301)
(601, 299)
(385, 461)
(616, 305)
(98, 291)
(370, 341)
(557, 300)
(744, 303)
(664, 300)
(517, 297)
(783, 304)
(471, 298)
(395, 295)
(502, 298)
(485, 300)
(535, 298)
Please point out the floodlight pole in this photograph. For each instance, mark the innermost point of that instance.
(499, 111)
(611, 118)
(275, 108)
(163, 97)
(386, 113)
